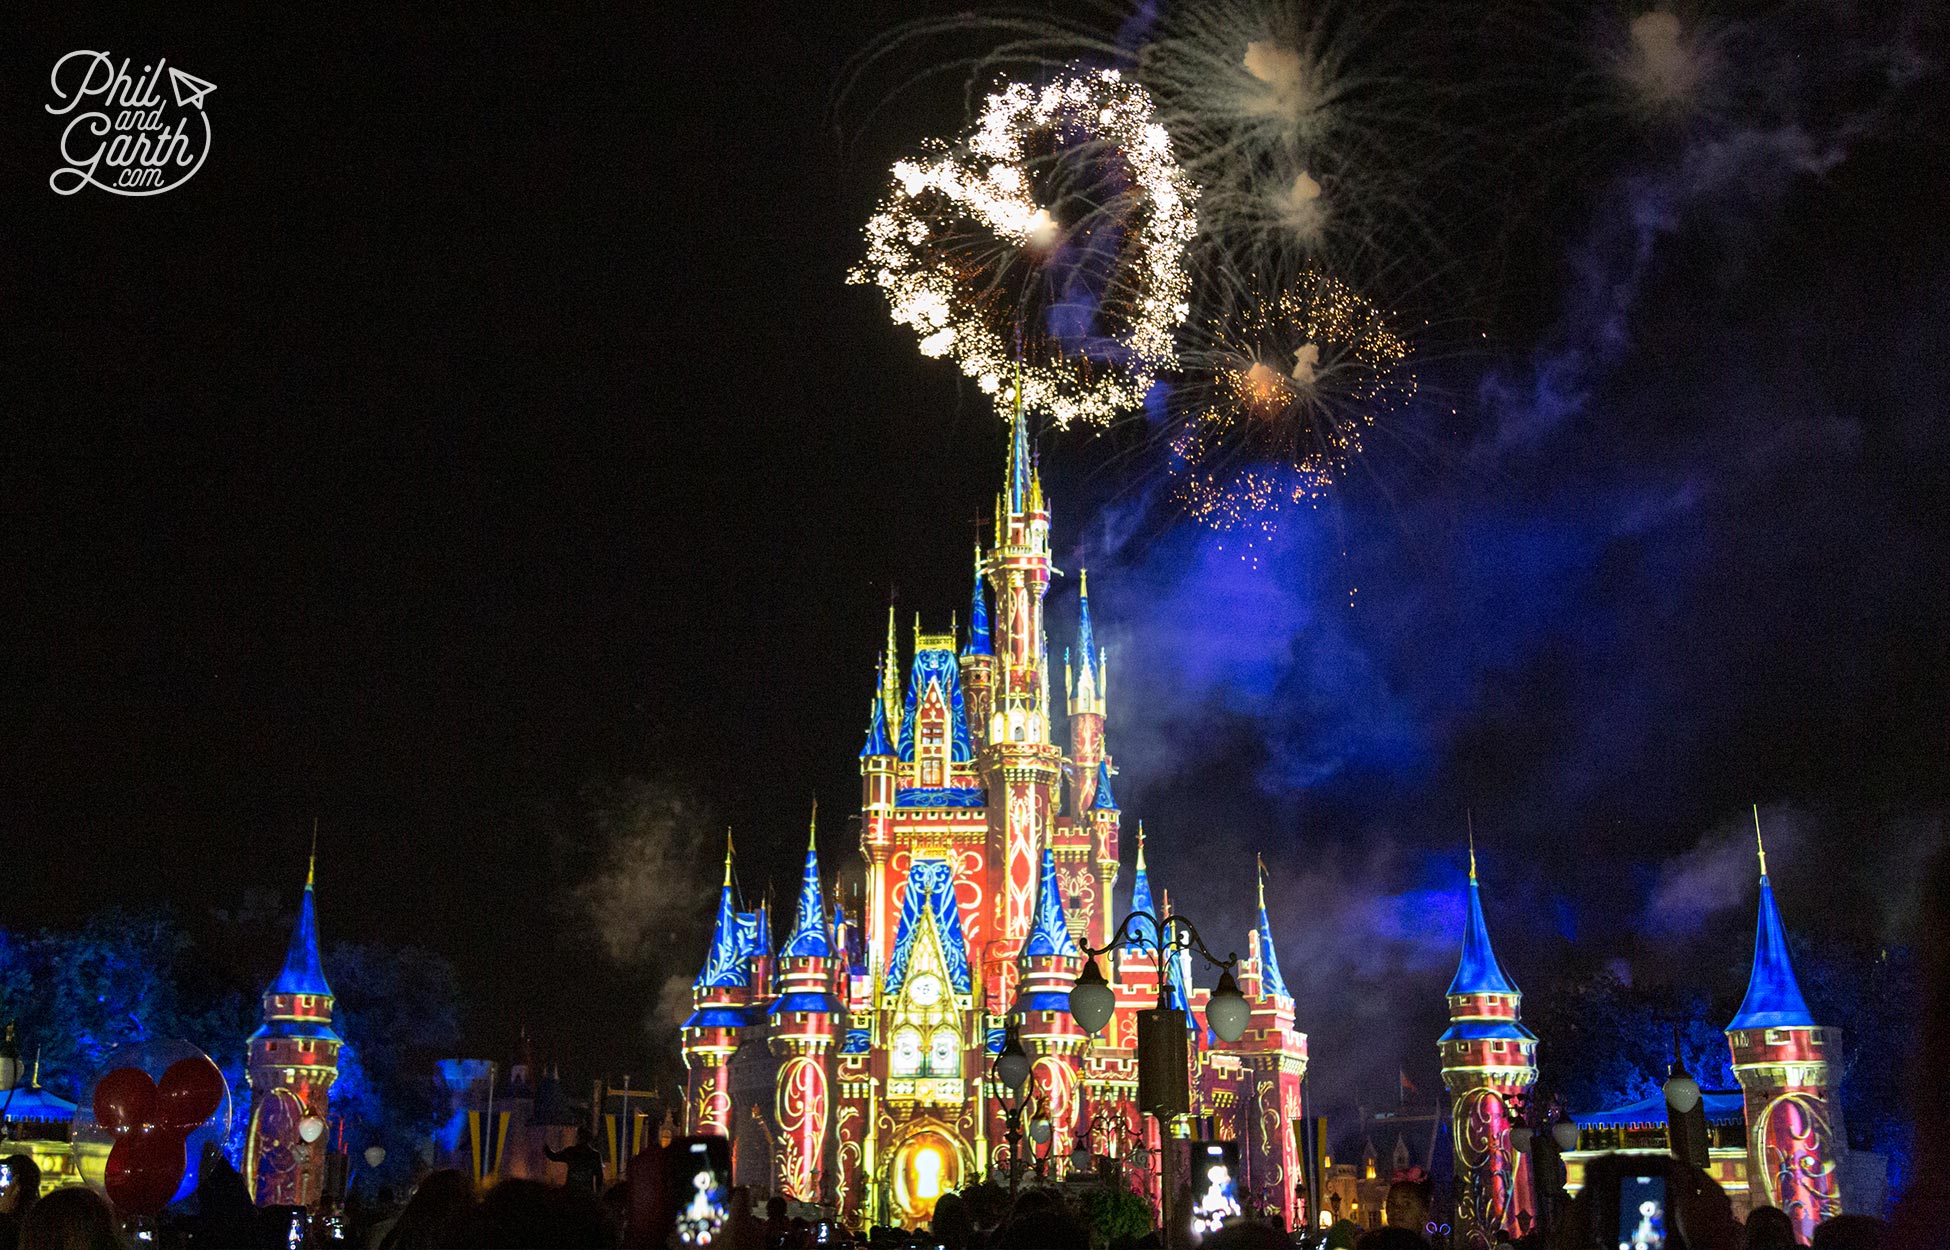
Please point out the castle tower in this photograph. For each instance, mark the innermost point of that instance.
(1102, 820)
(1274, 1058)
(1795, 1140)
(860, 1074)
(1094, 831)
(294, 1058)
(878, 765)
(803, 1023)
(1083, 688)
(721, 996)
(1021, 766)
(1051, 962)
(978, 660)
(1487, 1058)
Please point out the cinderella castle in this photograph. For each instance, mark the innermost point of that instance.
(851, 1065)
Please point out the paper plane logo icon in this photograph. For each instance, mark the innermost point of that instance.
(189, 89)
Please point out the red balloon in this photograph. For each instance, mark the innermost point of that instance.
(144, 1170)
(192, 1090)
(125, 1100)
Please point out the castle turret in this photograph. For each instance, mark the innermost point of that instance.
(878, 767)
(1103, 821)
(1274, 1055)
(803, 1025)
(978, 660)
(890, 678)
(1084, 692)
(1488, 1058)
(1138, 965)
(1795, 1140)
(722, 997)
(294, 1059)
(1051, 961)
(1021, 766)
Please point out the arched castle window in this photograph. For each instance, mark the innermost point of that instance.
(906, 1057)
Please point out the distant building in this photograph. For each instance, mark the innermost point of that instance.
(40, 1125)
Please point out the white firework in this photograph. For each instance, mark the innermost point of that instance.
(1048, 244)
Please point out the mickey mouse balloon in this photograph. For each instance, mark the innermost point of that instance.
(142, 1122)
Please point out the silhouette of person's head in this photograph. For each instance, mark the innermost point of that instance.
(1767, 1228)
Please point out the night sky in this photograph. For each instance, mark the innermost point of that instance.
(484, 456)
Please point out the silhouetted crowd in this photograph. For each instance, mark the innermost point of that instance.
(447, 1211)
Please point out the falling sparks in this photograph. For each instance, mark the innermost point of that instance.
(1047, 244)
(1288, 385)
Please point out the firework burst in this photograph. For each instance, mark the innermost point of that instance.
(1048, 244)
(1284, 387)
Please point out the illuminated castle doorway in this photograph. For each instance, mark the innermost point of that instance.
(928, 1163)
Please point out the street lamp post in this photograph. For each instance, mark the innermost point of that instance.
(1686, 1132)
(9, 1076)
(1164, 1064)
(1010, 1072)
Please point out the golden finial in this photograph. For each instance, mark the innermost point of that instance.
(1262, 881)
(1760, 845)
(1470, 817)
(727, 856)
(1083, 583)
(1140, 862)
(311, 870)
(812, 826)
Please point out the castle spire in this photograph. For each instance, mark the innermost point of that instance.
(1086, 692)
(890, 679)
(303, 971)
(1019, 468)
(1141, 901)
(1051, 934)
(1478, 973)
(808, 936)
(725, 965)
(877, 740)
(1269, 958)
(979, 642)
(1104, 801)
(1773, 998)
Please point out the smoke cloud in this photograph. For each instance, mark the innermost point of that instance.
(653, 847)
(1606, 626)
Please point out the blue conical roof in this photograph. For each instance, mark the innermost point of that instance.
(1086, 640)
(1104, 801)
(1141, 902)
(1478, 973)
(1268, 957)
(1773, 994)
(725, 964)
(979, 640)
(1019, 459)
(877, 742)
(809, 937)
(303, 972)
(1051, 934)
